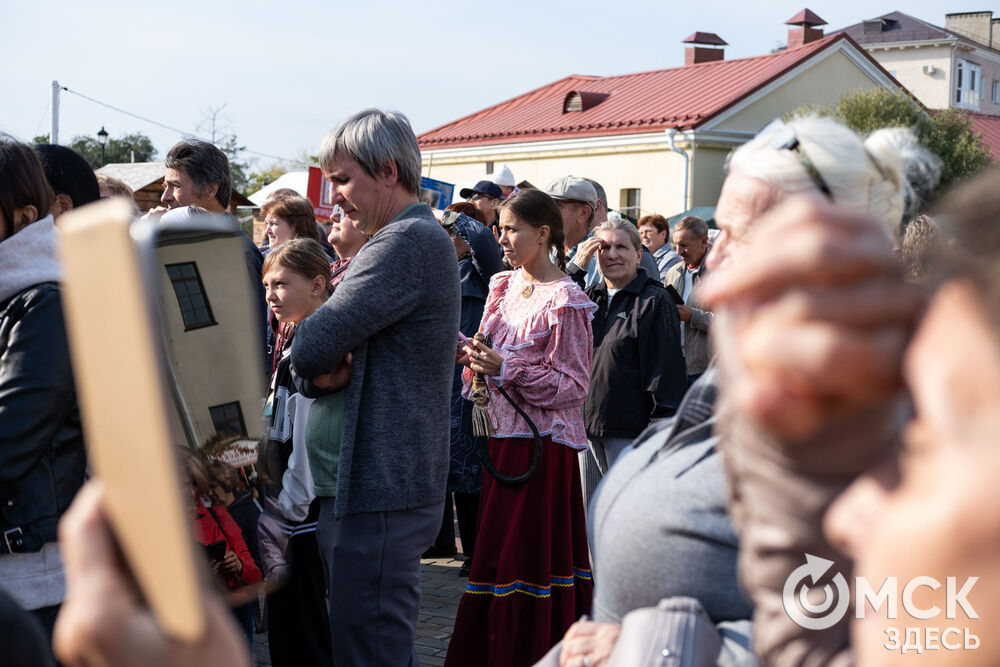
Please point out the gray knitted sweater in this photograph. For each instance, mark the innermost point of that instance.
(397, 310)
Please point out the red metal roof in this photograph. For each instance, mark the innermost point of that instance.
(679, 97)
(704, 38)
(805, 17)
(989, 127)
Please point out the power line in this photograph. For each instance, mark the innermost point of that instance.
(172, 129)
(42, 119)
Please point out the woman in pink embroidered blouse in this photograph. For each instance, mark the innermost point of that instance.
(530, 576)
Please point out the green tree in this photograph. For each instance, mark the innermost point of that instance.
(259, 179)
(947, 133)
(951, 137)
(117, 149)
(238, 167)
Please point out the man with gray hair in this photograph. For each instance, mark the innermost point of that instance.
(197, 175)
(691, 240)
(392, 344)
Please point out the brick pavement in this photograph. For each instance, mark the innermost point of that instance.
(441, 589)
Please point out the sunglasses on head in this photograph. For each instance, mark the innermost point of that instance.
(782, 138)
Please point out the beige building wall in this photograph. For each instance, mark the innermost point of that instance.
(937, 90)
(933, 90)
(989, 62)
(991, 74)
(708, 165)
(657, 172)
(823, 84)
(216, 364)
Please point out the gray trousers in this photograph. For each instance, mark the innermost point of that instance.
(596, 460)
(372, 561)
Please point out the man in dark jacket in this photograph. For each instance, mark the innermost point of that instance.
(637, 374)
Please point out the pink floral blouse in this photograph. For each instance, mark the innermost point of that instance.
(543, 331)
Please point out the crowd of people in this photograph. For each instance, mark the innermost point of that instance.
(622, 415)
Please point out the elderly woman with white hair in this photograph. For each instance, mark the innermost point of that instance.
(821, 157)
(395, 341)
(660, 528)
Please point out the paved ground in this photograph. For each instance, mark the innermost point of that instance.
(441, 589)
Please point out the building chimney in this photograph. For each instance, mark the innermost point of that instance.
(977, 26)
(707, 48)
(995, 34)
(804, 28)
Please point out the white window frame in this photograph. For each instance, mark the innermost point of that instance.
(995, 92)
(968, 90)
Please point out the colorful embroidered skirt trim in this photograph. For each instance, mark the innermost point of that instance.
(530, 578)
(534, 590)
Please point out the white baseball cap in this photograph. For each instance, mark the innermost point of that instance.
(504, 177)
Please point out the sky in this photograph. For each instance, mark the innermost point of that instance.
(285, 72)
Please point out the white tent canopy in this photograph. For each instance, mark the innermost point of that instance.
(296, 180)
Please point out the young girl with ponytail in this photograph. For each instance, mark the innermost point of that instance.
(530, 576)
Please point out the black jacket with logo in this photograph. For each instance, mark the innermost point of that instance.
(638, 371)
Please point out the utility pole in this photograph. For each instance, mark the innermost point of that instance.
(54, 133)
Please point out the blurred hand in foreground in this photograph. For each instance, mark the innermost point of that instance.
(815, 316)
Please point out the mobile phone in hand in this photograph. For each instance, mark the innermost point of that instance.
(216, 551)
(678, 299)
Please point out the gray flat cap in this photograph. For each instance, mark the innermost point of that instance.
(574, 188)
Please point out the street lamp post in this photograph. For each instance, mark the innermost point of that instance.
(102, 138)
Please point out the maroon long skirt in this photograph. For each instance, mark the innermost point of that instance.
(530, 577)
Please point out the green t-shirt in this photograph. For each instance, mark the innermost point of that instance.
(324, 430)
